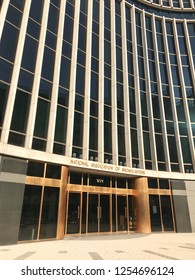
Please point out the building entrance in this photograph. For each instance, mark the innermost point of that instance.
(96, 213)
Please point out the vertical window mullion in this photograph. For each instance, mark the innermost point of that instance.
(113, 86)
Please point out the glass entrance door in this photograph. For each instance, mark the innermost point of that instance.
(122, 212)
(98, 213)
(131, 213)
(73, 223)
(104, 216)
(93, 213)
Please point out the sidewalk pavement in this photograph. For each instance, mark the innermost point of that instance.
(133, 246)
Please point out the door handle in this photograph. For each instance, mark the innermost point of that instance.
(125, 212)
(78, 216)
(97, 212)
(100, 212)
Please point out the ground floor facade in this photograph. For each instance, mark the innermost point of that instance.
(42, 200)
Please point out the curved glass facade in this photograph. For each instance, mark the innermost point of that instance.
(105, 86)
(177, 5)
(114, 89)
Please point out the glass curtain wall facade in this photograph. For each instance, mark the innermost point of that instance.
(97, 98)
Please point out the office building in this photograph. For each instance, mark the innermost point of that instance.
(97, 117)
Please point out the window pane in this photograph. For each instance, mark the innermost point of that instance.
(155, 213)
(160, 148)
(29, 54)
(53, 171)
(80, 79)
(36, 9)
(48, 64)
(93, 135)
(121, 140)
(65, 72)
(75, 178)
(42, 117)
(134, 143)
(167, 216)
(61, 124)
(49, 213)
(186, 150)
(172, 149)
(25, 80)
(107, 137)
(9, 42)
(20, 113)
(78, 130)
(30, 213)
(35, 169)
(3, 100)
(147, 151)
(53, 19)
(94, 86)
(18, 4)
